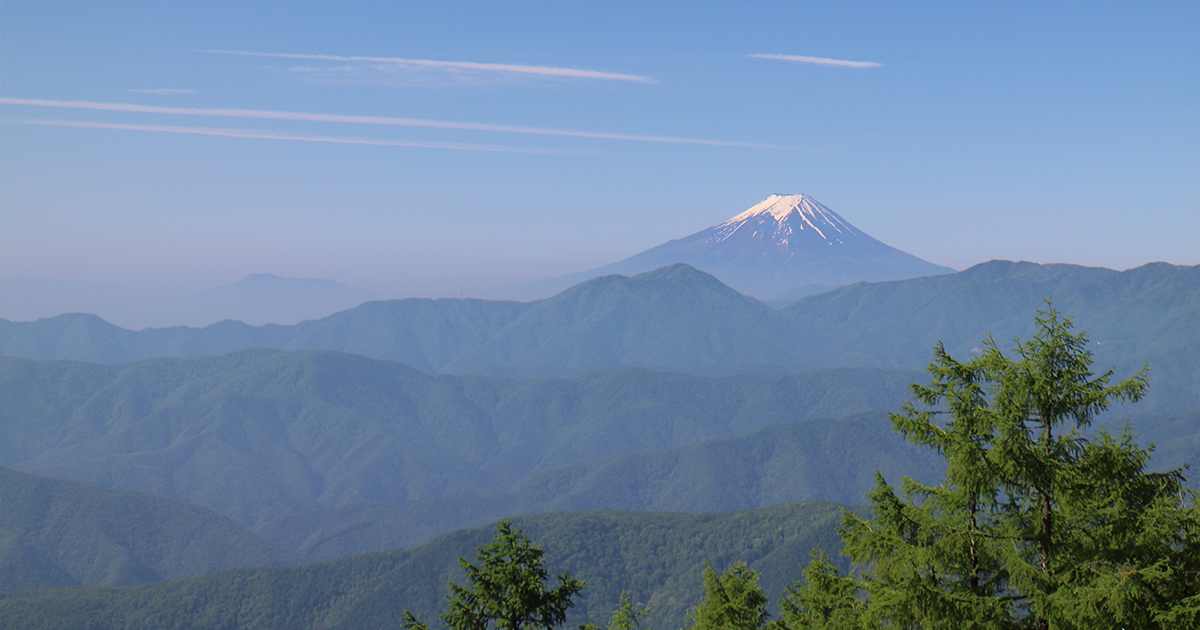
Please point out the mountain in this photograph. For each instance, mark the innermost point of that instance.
(256, 299)
(656, 557)
(330, 453)
(812, 459)
(1150, 314)
(682, 319)
(783, 246)
(672, 318)
(263, 298)
(62, 533)
(261, 434)
(422, 333)
(815, 459)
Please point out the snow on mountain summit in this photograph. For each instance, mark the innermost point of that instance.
(780, 206)
(782, 244)
(792, 214)
(785, 245)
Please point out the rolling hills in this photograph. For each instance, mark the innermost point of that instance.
(818, 459)
(261, 434)
(63, 533)
(657, 557)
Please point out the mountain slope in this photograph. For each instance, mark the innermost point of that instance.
(1148, 314)
(252, 435)
(674, 317)
(783, 244)
(656, 557)
(422, 333)
(817, 459)
(62, 533)
(260, 434)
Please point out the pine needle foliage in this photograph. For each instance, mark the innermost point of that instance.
(732, 601)
(623, 617)
(507, 590)
(1036, 525)
(828, 600)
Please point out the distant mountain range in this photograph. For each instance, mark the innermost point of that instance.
(781, 249)
(257, 299)
(324, 453)
(786, 246)
(681, 319)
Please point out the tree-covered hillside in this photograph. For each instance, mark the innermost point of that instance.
(816, 459)
(682, 319)
(63, 533)
(261, 434)
(811, 459)
(1148, 314)
(656, 557)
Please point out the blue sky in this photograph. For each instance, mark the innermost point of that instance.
(1051, 132)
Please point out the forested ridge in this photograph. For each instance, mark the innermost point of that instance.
(657, 557)
(333, 453)
(63, 533)
(1052, 513)
(680, 319)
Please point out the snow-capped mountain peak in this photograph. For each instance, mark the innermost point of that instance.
(782, 244)
(779, 206)
(779, 216)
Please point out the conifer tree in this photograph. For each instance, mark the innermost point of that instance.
(623, 617)
(827, 600)
(733, 601)
(506, 590)
(1036, 525)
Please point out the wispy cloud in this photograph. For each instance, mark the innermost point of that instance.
(822, 61)
(373, 120)
(271, 135)
(163, 91)
(545, 71)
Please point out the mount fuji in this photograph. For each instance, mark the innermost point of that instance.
(783, 248)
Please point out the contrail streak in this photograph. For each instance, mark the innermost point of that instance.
(822, 61)
(271, 135)
(164, 91)
(548, 71)
(370, 120)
